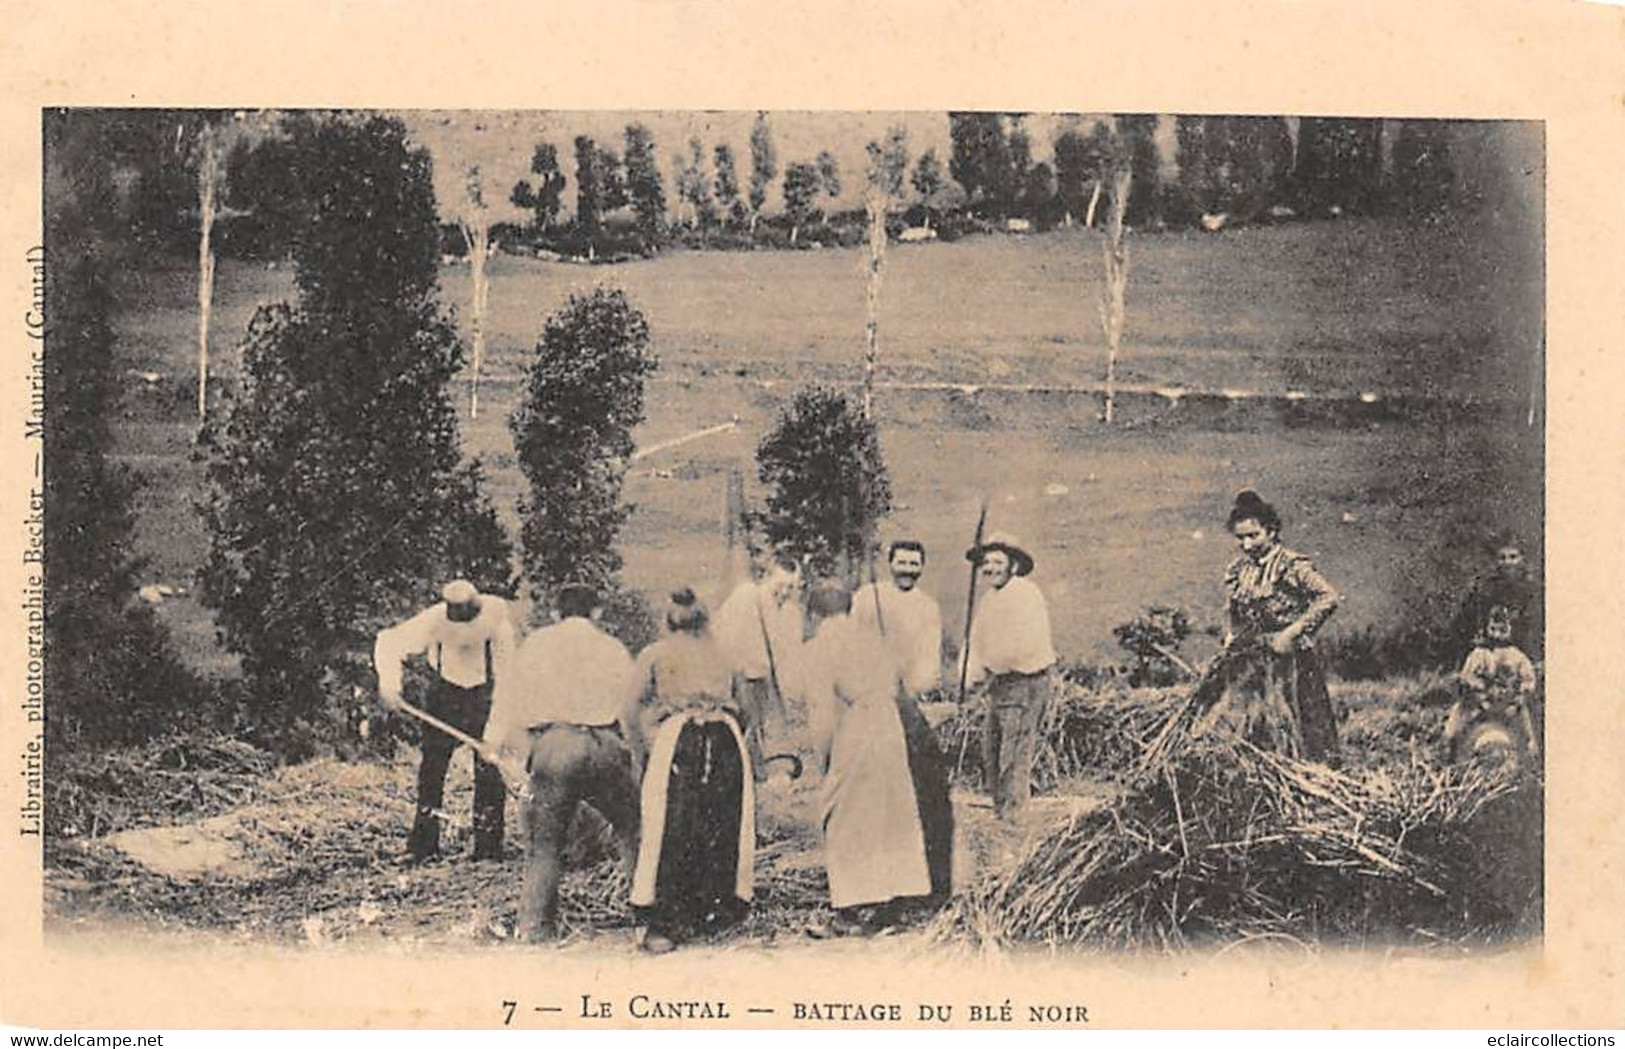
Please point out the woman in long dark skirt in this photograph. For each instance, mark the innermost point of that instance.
(1277, 602)
(694, 871)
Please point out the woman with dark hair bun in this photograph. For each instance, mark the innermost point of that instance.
(697, 850)
(1277, 602)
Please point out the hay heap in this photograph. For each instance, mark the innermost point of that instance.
(1087, 733)
(1220, 841)
(92, 793)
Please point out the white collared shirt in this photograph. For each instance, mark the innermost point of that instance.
(571, 673)
(1010, 632)
(911, 623)
(739, 626)
(458, 652)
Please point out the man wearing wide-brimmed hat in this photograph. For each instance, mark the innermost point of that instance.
(1010, 649)
(468, 639)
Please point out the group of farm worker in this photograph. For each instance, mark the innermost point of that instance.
(669, 747)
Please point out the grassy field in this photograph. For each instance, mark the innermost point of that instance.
(1118, 517)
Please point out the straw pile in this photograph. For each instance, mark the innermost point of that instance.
(1221, 841)
(1086, 733)
(165, 781)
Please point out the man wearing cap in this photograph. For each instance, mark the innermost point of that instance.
(468, 640)
(561, 712)
(1010, 649)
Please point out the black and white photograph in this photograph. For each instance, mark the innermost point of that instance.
(653, 558)
(660, 531)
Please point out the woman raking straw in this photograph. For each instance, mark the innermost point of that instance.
(1277, 601)
(697, 849)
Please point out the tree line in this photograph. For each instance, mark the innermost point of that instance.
(610, 199)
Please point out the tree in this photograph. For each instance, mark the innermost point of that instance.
(1077, 171)
(829, 173)
(802, 184)
(336, 500)
(828, 486)
(1232, 165)
(725, 187)
(980, 161)
(643, 183)
(589, 186)
(1338, 164)
(1139, 132)
(546, 196)
(109, 669)
(474, 219)
(572, 433)
(693, 188)
(1014, 182)
(1038, 199)
(612, 193)
(1423, 173)
(764, 166)
(888, 164)
(928, 181)
(260, 184)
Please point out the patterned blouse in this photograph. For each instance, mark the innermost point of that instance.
(1283, 590)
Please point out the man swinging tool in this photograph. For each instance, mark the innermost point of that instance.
(468, 640)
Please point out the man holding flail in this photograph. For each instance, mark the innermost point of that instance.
(468, 640)
(1010, 649)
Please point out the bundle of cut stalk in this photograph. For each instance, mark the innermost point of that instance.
(1223, 841)
(1087, 732)
(165, 781)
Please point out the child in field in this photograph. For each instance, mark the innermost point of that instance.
(1497, 675)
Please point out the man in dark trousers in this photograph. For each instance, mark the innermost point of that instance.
(1010, 649)
(560, 712)
(468, 641)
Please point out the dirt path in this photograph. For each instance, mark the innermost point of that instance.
(315, 859)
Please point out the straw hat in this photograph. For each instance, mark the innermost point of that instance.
(1021, 562)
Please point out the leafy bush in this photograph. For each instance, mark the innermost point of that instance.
(572, 431)
(110, 675)
(1370, 654)
(1149, 637)
(827, 481)
(336, 500)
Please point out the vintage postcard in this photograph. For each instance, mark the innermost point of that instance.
(845, 518)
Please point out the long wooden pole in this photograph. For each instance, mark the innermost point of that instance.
(875, 205)
(970, 603)
(964, 653)
(514, 773)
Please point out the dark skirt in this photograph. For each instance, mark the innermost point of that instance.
(700, 855)
(1280, 702)
(929, 770)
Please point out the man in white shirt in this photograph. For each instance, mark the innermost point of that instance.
(1011, 650)
(561, 710)
(760, 628)
(907, 616)
(468, 641)
(910, 624)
